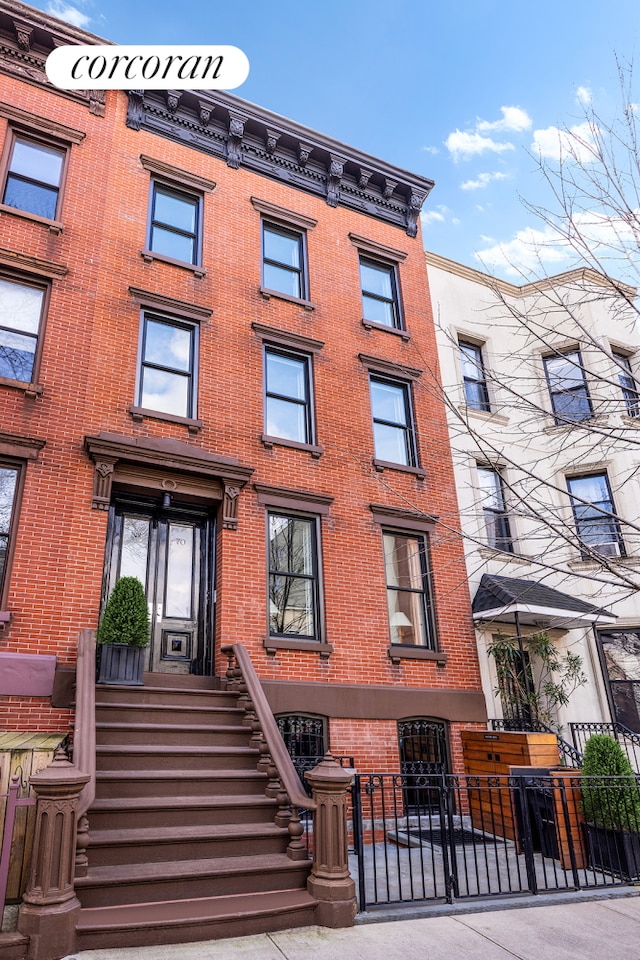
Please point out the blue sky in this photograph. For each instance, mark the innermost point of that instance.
(457, 90)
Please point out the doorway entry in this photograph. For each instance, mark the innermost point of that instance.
(423, 761)
(170, 549)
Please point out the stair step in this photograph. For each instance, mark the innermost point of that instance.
(204, 918)
(171, 734)
(13, 945)
(171, 695)
(154, 757)
(167, 712)
(179, 783)
(171, 811)
(189, 879)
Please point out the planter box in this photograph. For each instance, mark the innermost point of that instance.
(121, 664)
(614, 851)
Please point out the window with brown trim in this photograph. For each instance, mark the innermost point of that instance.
(168, 364)
(10, 476)
(175, 224)
(409, 593)
(34, 175)
(22, 309)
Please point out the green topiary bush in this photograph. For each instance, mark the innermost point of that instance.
(610, 803)
(125, 618)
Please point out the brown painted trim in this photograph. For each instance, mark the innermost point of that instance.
(370, 325)
(397, 652)
(377, 249)
(273, 644)
(287, 339)
(54, 226)
(31, 121)
(290, 217)
(64, 685)
(34, 265)
(21, 468)
(181, 177)
(268, 441)
(402, 519)
(268, 496)
(387, 367)
(381, 465)
(24, 448)
(266, 294)
(375, 702)
(181, 308)
(150, 255)
(139, 414)
(26, 674)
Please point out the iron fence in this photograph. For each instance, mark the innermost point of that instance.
(570, 754)
(628, 739)
(479, 837)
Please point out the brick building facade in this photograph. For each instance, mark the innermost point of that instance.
(216, 324)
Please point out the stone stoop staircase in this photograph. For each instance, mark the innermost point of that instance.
(183, 844)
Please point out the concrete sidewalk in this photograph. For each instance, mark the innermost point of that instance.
(591, 930)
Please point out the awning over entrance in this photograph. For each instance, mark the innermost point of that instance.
(504, 598)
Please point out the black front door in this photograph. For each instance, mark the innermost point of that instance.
(170, 550)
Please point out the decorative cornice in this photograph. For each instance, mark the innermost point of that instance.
(377, 249)
(244, 135)
(24, 261)
(281, 213)
(160, 301)
(26, 448)
(285, 498)
(379, 365)
(284, 337)
(183, 178)
(402, 518)
(42, 124)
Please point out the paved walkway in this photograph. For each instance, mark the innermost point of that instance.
(600, 929)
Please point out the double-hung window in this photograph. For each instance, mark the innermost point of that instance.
(393, 433)
(288, 413)
(380, 301)
(628, 384)
(168, 366)
(34, 177)
(175, 223)
(496, 519)
(9, 476)
(597, 525)
(21, 310)
(283, 260)
(409, 597)
(475, 382)
(294, 596)
(568, 387)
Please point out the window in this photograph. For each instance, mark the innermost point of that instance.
(283, 261)
(21, 308)
(475, 382)
(409, 601)
(493, 508)
(175, 223)
(167, 366)
(628, 384)
(8, 489)
(287, 395)
(568, 387)
(393, 433)
(293, 576)
(33, 177)
(380, 302)
(596, 522)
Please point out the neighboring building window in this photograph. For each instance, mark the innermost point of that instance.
(8, 487)
(628, 384)
(568, 387)
(33, 177)
(494, 510)
(167, 366)
(621, 649)
(393, 433)
(409, 600)
(283, 261)
(380, 302)
(596, 522)
(288, 395)
(175, 223)
(20, 315)
(293, 576)
(475, 381)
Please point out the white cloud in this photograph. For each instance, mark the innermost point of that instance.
(554, 143)
(467, 144)
(65, 11)
(530, 251)
(513, 118)
(431, 150)
(583, 96)
(439, 215)
(484, 179)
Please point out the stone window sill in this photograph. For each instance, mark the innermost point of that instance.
(273, 644)
(150, 255)
(370, 325)
(30, 390)
(54, 226)
(491, 553)
(487, 415)
(381, 465)
(138, 414)
(396, 653)
(316, 452)
(305, 304)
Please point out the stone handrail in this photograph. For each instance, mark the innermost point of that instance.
(279, 753)
(84, 739)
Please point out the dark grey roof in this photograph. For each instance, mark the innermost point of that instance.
(498, 592)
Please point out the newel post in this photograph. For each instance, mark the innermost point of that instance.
(49, 908)
(330, 881)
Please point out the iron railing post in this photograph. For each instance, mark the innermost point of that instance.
(527, 840)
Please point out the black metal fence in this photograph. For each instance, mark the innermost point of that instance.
(445, 838)
(570, 754)
(628, 739)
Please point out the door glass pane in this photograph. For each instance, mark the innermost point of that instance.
(135, 548)
(179, 589)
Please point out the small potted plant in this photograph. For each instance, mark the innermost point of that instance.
(611, 805)
(123, 634)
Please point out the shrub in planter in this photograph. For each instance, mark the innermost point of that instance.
(123, 633)
(611, 805)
